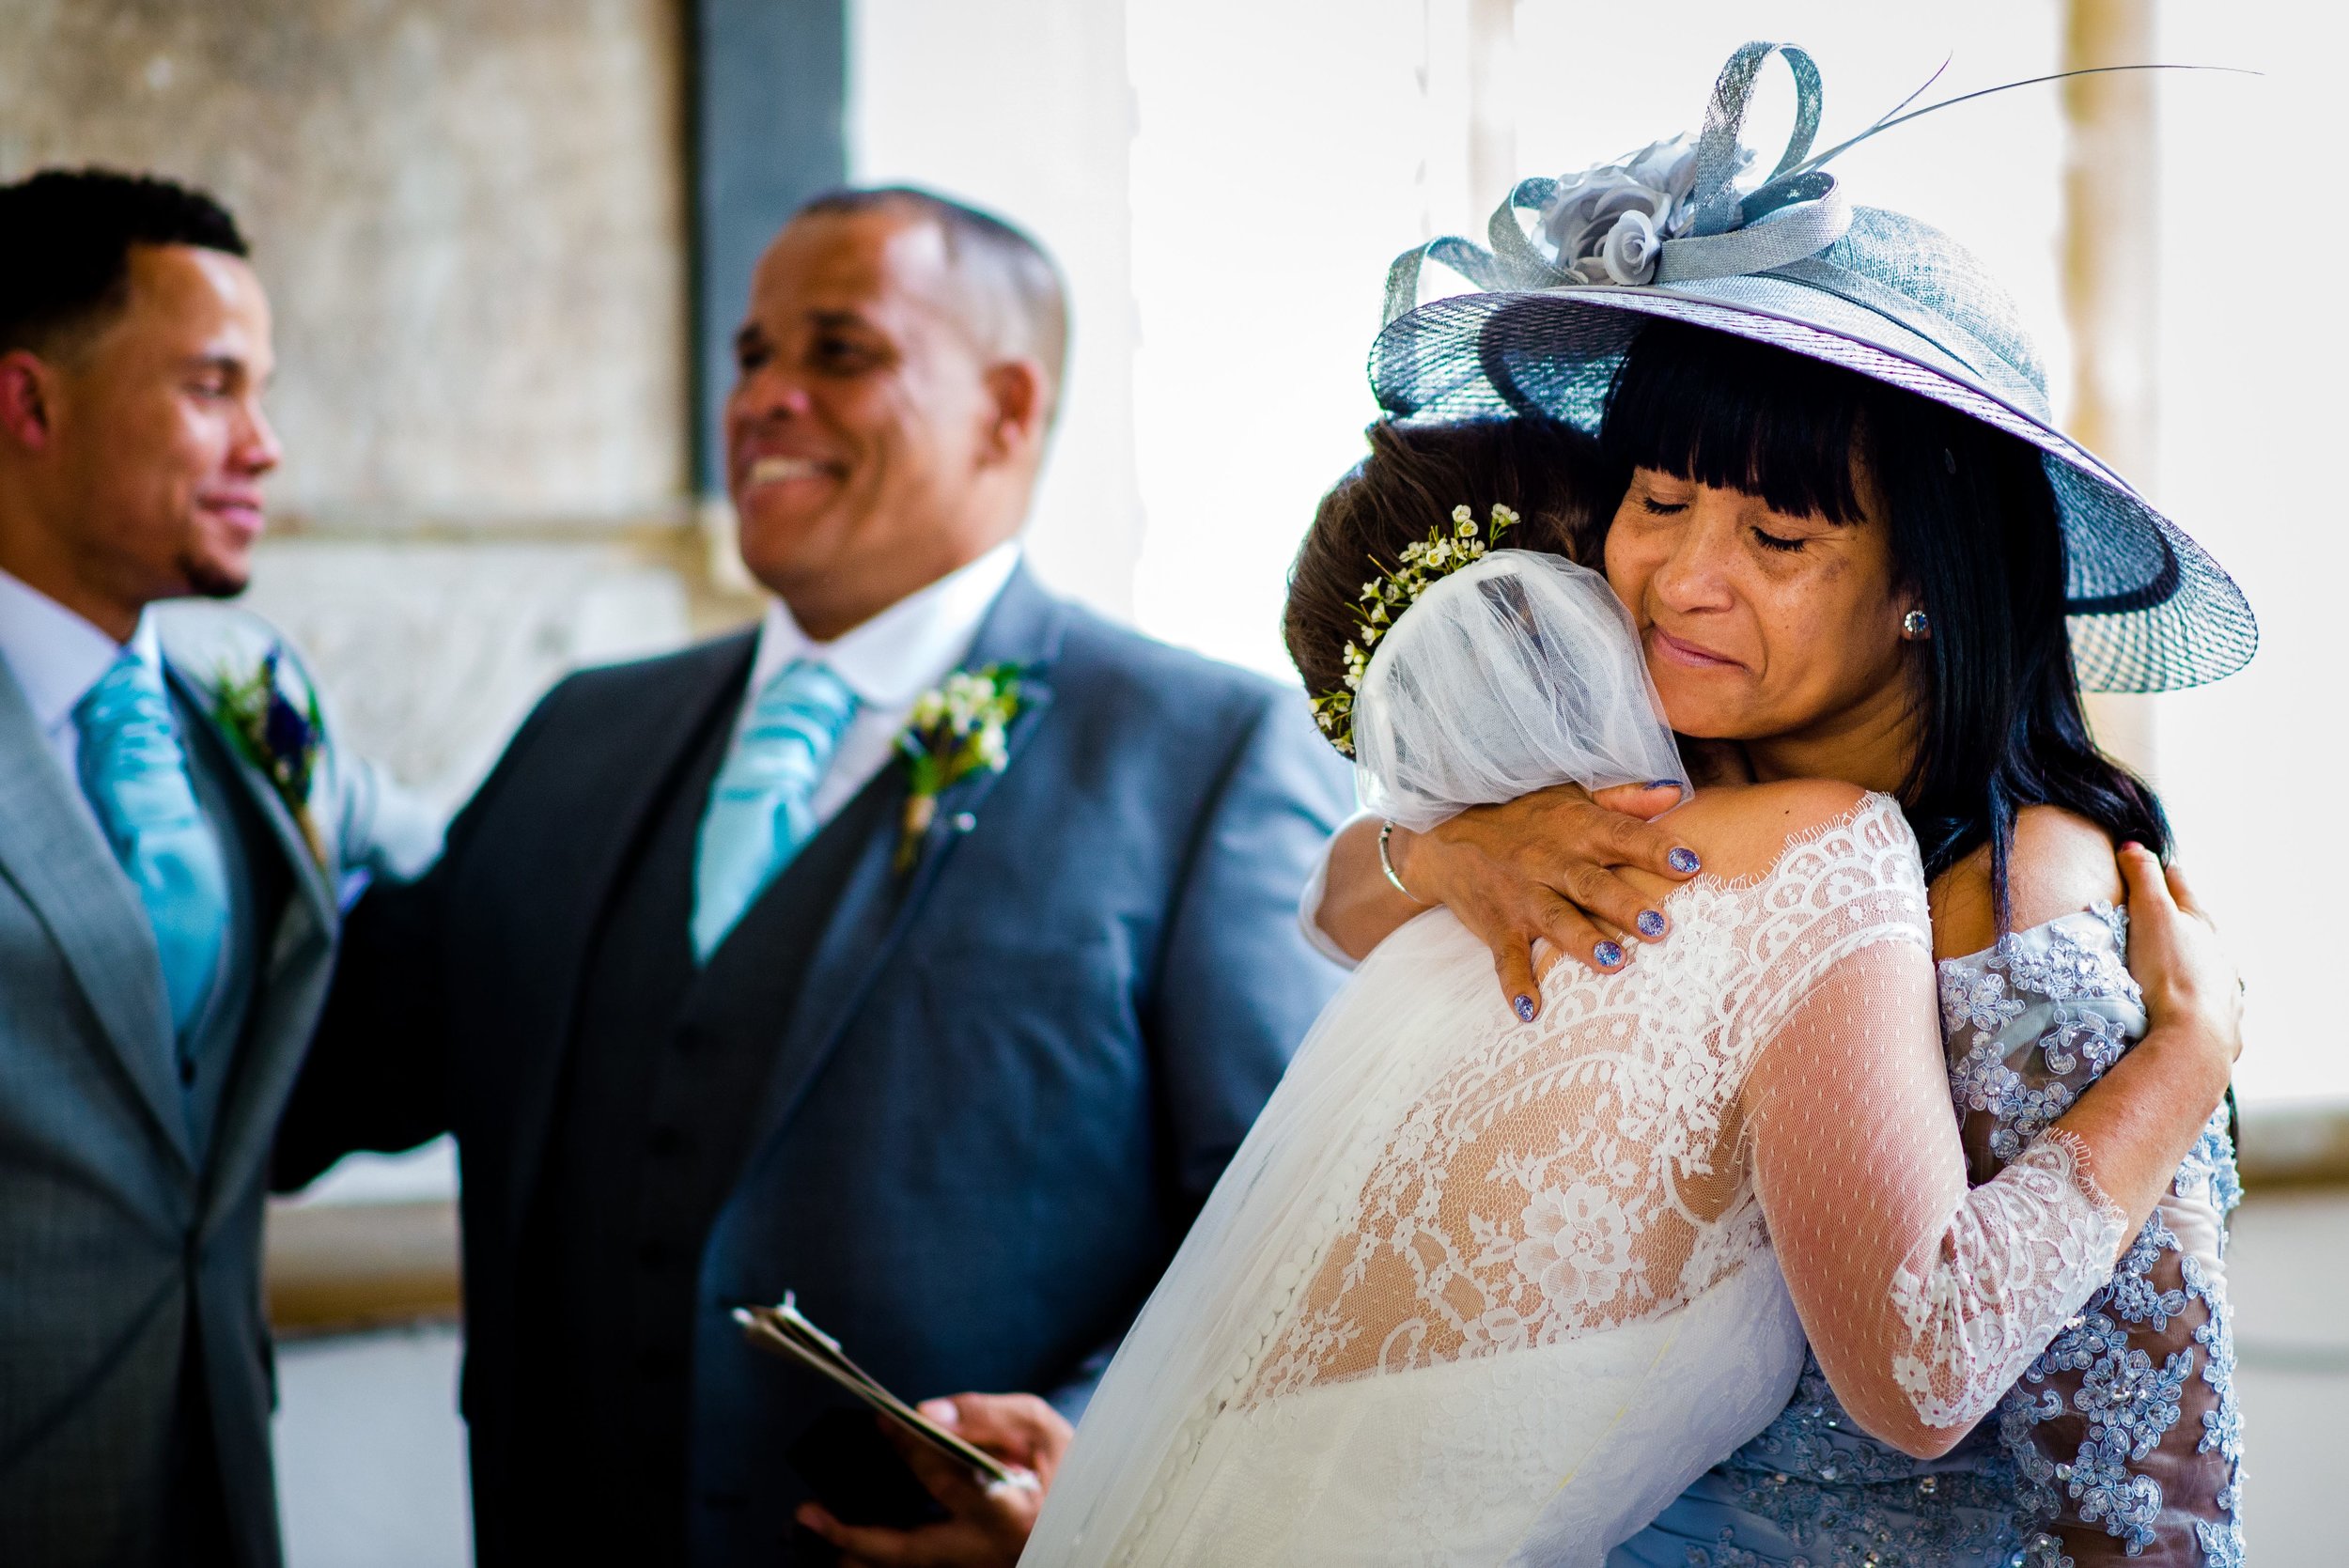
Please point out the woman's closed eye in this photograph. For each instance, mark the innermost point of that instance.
(1782, 543)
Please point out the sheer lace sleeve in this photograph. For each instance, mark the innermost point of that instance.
(1923, 1300)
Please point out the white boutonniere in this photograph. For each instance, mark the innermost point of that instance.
(280, 736)
(955, 729)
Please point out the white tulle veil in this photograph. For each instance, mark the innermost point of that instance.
(1514, 674)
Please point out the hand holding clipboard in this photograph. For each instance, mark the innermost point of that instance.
(784, 1330)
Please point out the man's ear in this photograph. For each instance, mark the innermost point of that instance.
(25, 381)
(1017, 402)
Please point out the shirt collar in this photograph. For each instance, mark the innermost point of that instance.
(56, 655)
(906, 648)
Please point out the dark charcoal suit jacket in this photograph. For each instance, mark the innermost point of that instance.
(1005, 1085)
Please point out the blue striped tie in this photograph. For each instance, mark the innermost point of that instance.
(136, 777)
(761, 807)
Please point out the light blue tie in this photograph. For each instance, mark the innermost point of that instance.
(761, 807)
(136, 777)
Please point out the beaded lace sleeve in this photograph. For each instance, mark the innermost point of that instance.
(1925, 1300)
(2124, 1435)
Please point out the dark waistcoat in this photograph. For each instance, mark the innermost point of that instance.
(662, 1084)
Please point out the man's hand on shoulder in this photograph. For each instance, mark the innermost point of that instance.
(988, 1524)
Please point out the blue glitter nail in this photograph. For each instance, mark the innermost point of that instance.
(1663, 784)
(1650, 923)
(1524, 1006)
(1607, 954)
(1683, 860)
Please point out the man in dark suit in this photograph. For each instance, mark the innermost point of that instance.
(719, 1006)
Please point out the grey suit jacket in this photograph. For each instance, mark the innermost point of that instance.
(119, 1241)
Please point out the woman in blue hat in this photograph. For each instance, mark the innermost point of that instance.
(1855, 546)
(1482, 1288)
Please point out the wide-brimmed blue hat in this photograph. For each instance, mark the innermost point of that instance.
(1666, 233)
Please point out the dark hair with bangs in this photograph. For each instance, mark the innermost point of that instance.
(1974, 535)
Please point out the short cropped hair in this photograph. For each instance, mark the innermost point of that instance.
(1003, 263)
(65, 265)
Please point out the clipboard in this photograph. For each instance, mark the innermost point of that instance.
(785, 1331)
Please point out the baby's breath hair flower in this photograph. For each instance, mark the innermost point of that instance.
(1385, 597)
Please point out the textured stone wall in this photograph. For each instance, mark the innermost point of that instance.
(470, 215)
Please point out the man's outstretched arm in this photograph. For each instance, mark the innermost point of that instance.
(377, 1074)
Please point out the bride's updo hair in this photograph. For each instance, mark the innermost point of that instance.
(1551, 475)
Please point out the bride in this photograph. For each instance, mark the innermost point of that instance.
(1483, 1288)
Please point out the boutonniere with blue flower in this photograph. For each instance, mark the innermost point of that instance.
(957, 728)
(281, 738)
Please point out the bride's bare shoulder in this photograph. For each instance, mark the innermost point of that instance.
(1740, 830)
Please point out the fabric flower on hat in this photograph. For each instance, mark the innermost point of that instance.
(1629, 250)
(1609, 223)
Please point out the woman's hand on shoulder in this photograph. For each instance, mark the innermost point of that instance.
(2191, 986)
(1548, 868)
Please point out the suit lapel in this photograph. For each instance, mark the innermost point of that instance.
(51, 851)
(878, 903)
(311, 918)
(288, 982)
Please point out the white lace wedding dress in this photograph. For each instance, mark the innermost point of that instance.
(1475, 1291)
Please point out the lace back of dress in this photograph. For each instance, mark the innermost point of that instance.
(1590, 1168)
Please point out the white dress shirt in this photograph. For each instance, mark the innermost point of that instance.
(888, 661)
(56, 656)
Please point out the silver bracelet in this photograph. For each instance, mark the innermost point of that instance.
(1385, 828)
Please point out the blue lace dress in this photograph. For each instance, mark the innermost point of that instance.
(2123, 1443)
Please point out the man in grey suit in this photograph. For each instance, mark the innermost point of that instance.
(175, 823)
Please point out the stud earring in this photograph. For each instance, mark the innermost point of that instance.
(1916, 626)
